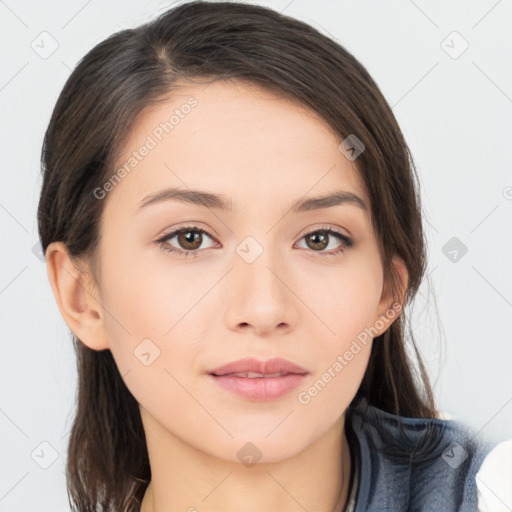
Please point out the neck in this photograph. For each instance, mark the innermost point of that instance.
(316, 479)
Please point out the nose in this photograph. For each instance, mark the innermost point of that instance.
(261, 296)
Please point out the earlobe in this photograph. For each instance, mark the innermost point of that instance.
(75, 296)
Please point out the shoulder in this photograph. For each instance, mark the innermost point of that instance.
(414, 463)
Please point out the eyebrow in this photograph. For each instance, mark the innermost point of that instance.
(221, 202)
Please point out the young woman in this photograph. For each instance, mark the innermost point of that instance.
(232, 228)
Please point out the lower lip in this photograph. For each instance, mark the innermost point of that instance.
(260, 388)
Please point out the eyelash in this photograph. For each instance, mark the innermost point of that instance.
(347, 242)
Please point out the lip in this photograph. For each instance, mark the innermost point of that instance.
(262, 388)
(259, 388)
(276, 365)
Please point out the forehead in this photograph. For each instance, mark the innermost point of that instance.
(234, 139)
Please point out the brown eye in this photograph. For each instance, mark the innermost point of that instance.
(190, 239)
(186, 241)
(318, 240)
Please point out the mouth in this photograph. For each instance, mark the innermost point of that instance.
(257, 380)
(256, 386)
(253, 368)
(255, 375)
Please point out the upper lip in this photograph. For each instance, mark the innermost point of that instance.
(276, 365)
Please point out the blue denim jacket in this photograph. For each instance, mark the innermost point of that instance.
(412, 464)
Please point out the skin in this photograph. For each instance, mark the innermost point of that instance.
(263, 152)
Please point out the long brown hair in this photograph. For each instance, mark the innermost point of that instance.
(107, 453)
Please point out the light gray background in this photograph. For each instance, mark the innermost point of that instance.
(456, 115)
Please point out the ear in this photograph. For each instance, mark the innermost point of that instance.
(390, 307)
(76, 296)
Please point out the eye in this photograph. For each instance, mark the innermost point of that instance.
(321, 238)
(189, 240)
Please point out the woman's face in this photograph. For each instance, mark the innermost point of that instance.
(261, 282)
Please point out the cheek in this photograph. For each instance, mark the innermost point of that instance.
(153, 318)
(153, 338)
(344, 298)
(147, 297)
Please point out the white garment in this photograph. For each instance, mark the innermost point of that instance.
(494, 480)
